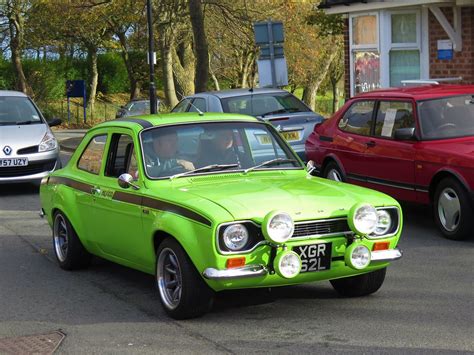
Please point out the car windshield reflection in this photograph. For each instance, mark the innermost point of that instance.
(213, 147)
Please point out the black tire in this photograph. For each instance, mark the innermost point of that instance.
(458, 225)
(194, 298)
(332, 171)
(69, 251)
(360, 285)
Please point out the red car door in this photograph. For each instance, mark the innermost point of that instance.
(390, 161)
(350, 140)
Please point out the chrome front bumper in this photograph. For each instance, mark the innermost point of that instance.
(235, 273)
(261, 270)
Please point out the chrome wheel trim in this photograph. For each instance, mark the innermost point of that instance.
(60, 237)
(169, 278)
(334, 174)
(449, 209)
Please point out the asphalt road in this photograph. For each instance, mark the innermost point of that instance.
(426, 304)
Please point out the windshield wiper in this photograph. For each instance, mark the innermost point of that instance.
(19, 123)
(216, 167)
(271, 162)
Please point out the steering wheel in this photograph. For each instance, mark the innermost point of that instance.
(447, 125)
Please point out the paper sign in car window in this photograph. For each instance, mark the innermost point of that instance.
(389, 122)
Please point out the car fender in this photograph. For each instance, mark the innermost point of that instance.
(194, 237)
(328, 158)
(443, 172)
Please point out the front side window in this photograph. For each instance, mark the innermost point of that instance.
(198, 104)
(358, 118)
(447, 118)
(91, 158)
(17, 110)
(182, 106)
(121, 157)
(391, 116)
(229, 146)
(263, 104)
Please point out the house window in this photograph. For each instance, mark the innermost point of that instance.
(365, 52)
(387, 47)
(404, 53)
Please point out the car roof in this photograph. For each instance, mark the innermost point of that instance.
(422, 92)
(239, 92)
(176, 118)
(4, 93)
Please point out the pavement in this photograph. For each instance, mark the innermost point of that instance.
(69, 139)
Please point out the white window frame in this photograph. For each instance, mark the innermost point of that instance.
(361, 47)
(385, 45)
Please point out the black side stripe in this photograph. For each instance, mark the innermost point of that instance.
(170, 207)
(388, 183)
(143, 123)
(325, 139)
(134, 199)
(58, 180)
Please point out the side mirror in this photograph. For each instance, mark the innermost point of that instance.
(405, 134)
(310, 167)
(126, 180)
(54, 122)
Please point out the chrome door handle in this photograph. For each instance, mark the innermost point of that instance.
(95, 191)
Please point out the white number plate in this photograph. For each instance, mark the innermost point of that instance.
(6, 163)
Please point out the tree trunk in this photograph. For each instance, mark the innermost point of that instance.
(92, 53)
(16, 23)
(311, 88)
(200, 45)
(184, 69)
(134, 84)
(168, 81)
(334, 95)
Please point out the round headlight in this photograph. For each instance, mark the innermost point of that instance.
(235, 237)
(287, 264)
(278, 227)
(363, 219)
(384, 222)
(357, 256)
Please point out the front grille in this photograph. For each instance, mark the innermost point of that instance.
(28, 150)
(30, 169)
(323, 227)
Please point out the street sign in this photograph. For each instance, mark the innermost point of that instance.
(75, 88)
(272, 68)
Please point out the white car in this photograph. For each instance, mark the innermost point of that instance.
(28, 149)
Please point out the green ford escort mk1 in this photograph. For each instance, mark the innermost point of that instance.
(211, 202)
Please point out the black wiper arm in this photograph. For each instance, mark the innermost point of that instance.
(24, 122)
(271, 162)
(283, 110)
(205, 168)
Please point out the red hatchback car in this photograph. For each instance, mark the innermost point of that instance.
(414, 143)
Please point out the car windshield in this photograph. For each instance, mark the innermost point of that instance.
(263, 104)
(449, 117)
(16, 110)
(213, 147)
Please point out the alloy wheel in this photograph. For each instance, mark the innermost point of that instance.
(60, 235)
(449, 209)
(169, 278)
(333, 174)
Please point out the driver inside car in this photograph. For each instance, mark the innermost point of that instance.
(162, 159)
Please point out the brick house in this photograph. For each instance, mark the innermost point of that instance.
(394, 40)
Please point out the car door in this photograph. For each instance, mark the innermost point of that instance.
(87, 172)
(351, 138)
(390, 162)
(118, 210)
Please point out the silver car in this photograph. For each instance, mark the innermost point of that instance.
(292, 118)
(28, 149)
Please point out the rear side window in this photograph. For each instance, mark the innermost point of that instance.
(393, 115)
(91, 158)
(358, 119)
(182, 106)
(198, 104)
